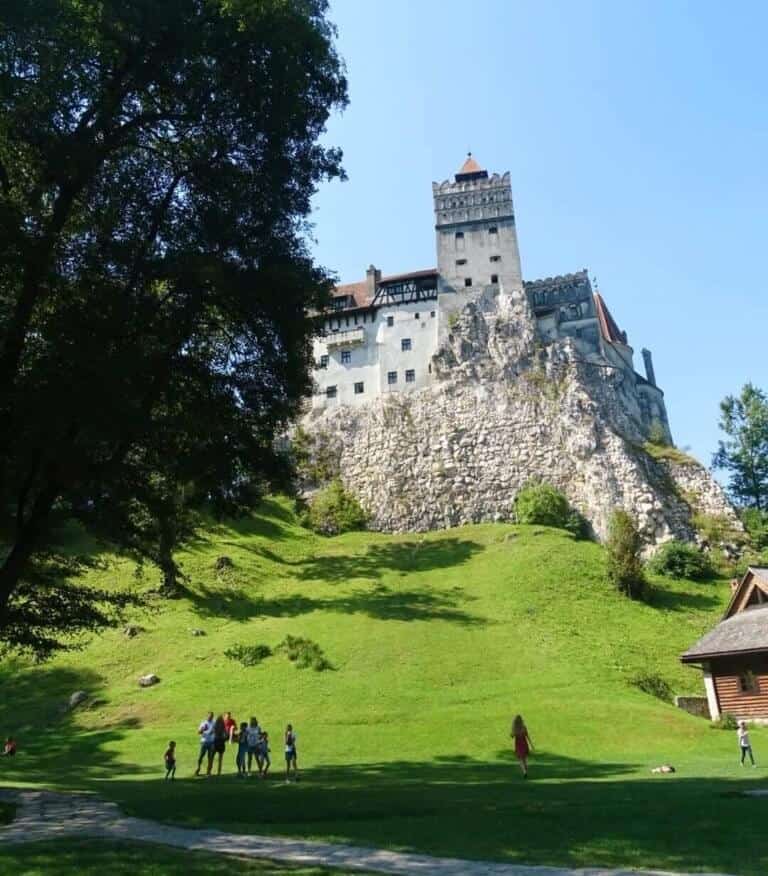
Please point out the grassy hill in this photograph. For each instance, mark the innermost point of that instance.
(435, 642)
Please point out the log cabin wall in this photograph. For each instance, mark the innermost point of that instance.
(742, 685)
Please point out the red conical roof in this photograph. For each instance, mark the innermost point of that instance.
(470, 165)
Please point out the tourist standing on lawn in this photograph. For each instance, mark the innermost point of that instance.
(263, 760)
(205, 731)
(744, 744)
(242, 750)
(230, 725)
(219, 745)
(9, 748)
(523, 744)
(253, 734)
(170, 761)
(291, 754)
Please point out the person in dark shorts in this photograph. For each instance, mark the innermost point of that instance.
(205, 731)
(264, 762)
(253, 733)
(219, 745)
(170, 761)
(291, 754)
(242, 750)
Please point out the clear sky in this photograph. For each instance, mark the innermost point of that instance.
(636, 134)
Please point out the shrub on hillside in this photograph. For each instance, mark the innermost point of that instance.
(543, 504)
(678, 559)
(654, 685)
(624, 567)
(248, 655)
(726, 721)
(304, 653)
(657, 434)
(334, 510)
(756, 523)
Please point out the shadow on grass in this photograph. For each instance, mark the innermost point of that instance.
(379, 602)
(570, 812)
(671, 600)
(52, 747)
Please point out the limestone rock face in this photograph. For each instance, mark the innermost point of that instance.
(504, 409)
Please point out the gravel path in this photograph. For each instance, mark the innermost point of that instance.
(45, 815)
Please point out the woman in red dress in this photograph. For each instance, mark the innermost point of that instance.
(523, 744)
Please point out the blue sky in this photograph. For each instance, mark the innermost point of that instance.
(636, 135)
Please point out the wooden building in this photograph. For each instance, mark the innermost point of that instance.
(734, 655)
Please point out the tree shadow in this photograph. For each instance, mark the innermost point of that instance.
(379, 602)
(671, 600)
(52, 748)
(404, 557)
(570, 812)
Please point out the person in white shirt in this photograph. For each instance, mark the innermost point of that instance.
(744, 744)
(205, 732)
(254, 734)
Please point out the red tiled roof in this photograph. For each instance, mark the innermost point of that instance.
(608, 327)
(470, 165)
(359, 291)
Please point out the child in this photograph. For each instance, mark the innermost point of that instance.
(242, 750)
(264, 762)
(170, 761)
(523, 744)
(291, 755)
(230, 726)
(744, 743)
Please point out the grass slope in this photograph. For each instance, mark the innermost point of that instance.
(436, 641)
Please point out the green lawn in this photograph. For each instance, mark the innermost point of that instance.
(436, 641)
(98, 857)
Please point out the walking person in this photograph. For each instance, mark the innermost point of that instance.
(523, 744)
(219, 745)
(170, 761)
(744, 744)
(205, 731)
(242, 750)
(291, 754)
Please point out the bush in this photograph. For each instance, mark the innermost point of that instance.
(726, 721)
(334, 510)
(677, 559)
(654, 685)
(248, 655)
(624, 567)
(541, 503)
(756, 524)
(304, 653)
(657, 434)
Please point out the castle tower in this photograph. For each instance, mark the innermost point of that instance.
(476, 236)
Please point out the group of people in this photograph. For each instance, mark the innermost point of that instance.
(250, 741)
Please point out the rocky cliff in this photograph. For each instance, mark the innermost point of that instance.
(504, 409)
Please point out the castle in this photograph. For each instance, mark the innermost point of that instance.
(440, 393)
(382, 333)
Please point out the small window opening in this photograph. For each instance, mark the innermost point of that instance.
(324, 361)
(390, 321)
(410, 376)
(359, 388)
(468, 281)
(405, 344)
(330, 392)
(346, 357)
(494, 278)
(391, 377)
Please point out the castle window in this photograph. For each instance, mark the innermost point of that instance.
(359, 388)
(346, 357)
(431, 314)
(391, 377)
(496, 258)
(493, 230)
(460, 241)
(461, 261)
(494, 278)
(405, 345)
(417, 316)
(324, 361)
(390, 321)
(468, 281)
(410, 376)
(330, 392)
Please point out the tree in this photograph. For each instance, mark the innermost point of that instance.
(157, 162)
(744, 454)
(625, 568)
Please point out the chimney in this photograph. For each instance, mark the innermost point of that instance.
(648, 361)
(372, 278)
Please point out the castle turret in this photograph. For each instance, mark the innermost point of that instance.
(476, 234)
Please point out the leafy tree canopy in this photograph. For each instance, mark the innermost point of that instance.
(744, 453)
(157, 161)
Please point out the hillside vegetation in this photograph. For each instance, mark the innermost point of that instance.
(434, 642)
